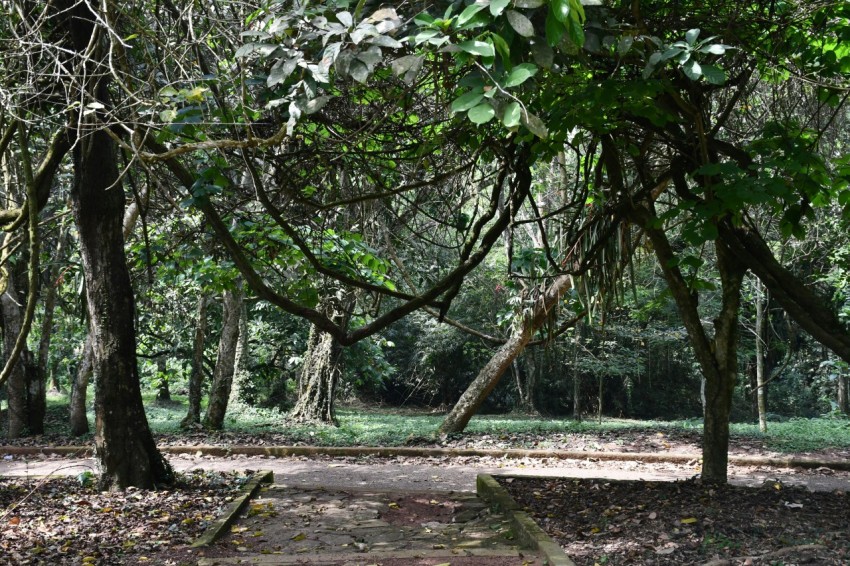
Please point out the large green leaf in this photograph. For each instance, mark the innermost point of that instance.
(561, 10)
(498, 6)
(469, 13)
(482, 113)
(713, 74)
(520, 23)
(511, 115)
(467, 100)
(520, 74)
(476, 47)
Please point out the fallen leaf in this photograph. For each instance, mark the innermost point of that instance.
(15, 521)
(393, 505)
(299, 537)
(653, 515)
(689, 520)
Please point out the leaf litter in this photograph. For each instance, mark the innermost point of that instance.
(688, 522)
(65, 520)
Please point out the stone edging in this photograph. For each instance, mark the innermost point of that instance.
(527, 532)
(394, 451)
(220, 526)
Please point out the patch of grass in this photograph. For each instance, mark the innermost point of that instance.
(800, 435)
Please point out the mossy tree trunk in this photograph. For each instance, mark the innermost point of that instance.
(78, 420)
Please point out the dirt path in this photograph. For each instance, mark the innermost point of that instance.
(438, 474)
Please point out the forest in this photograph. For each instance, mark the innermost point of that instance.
(574, 209)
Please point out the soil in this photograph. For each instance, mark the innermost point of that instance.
(688, 522)
(66, 520)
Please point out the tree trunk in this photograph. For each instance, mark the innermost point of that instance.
(163, 389)
(224, 364)
(78, 420)
(242, 360)
(26, 393)
(322, 368)
(489, 376)
(717, 357)
(843, 404)
(196, 378)
(49, 310)
(761, 339)
(576, 376)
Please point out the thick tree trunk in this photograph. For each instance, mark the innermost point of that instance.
(720, 384)
(761, 339)
(196, 378)
(322, 368)
(224, 365)
(492, 372)
(125, 446)
(79, 422)
(26, 394)
(843, 401)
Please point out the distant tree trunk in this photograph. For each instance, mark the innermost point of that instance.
(224, 364)
(78, 420)
(322, 368)
(49, 310)
(163, 389)
(576, 376)
(242, 360)
(491, 373)
(843, 402)
(196, 378)
(761, 339)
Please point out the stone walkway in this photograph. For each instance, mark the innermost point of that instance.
(288, 524)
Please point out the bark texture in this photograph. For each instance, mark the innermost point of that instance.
(25, 391)
(471, 399)
(322, 368)
(124, 445)
(242, 359)
(79, 422)
(225, 361)
(196, 378)
(761, 339)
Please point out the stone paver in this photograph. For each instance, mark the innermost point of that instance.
(294, 525)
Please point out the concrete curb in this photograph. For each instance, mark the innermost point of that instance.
(527, 532)
(220, 526)
(394, 451)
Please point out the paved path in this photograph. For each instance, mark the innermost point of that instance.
(430, 474)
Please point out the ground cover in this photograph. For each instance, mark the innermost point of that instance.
(67, 520)
(823, 437)
(654, 523)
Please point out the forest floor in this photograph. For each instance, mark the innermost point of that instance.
(601, 512)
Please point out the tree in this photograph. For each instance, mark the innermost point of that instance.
(225, 361)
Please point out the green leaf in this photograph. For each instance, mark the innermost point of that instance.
(281, 70)
(713, 74)
(476, 47)
(691, 35)
(529, 3)
(535, 125)
(511, 115)
(469, 13)
(576, 32)
(520, 74)
(467, 100)
(503, 49)
(481, 114)
(692, 70)
(520, 23)
(561, 9)
(715, 49)
(543, 55)
(555, 30)
(498, 6)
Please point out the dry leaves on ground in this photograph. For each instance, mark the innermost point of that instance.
(609, 522)
(68, 521)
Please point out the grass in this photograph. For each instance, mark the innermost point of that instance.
(394, 427)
